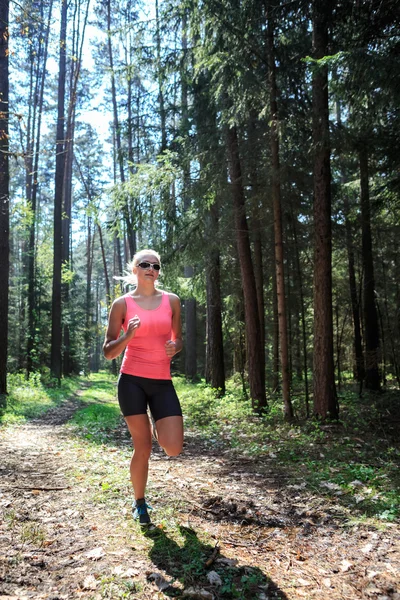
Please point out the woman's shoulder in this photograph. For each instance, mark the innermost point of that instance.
(173, 299)
(120, 302)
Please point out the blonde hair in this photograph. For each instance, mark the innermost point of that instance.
(130, 278)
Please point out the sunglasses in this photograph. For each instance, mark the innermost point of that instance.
(148, 265)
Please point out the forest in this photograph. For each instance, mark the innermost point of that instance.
(254, 144)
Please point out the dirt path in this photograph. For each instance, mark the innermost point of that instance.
(59, 538)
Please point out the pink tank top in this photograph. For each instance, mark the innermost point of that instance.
(145, 354)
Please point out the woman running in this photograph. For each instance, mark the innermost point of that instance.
(151, 321)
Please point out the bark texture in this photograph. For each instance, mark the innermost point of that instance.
(215, 367)
(325, 400)
(4, 197)
(278, 234)
(255, 351)
(56, 323)
(371, 323)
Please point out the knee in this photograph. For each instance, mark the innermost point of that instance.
(173, 449)
(142, 451)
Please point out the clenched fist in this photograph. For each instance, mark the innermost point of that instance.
(170, 348)
(133, 324)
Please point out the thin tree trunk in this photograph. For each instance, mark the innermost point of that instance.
(89, 269)
(117, 135)
(275, 323)
(325, 399)
(278, 235)
(358, 368)
(56, 325)
(215, 367)
(190, 304)
(303, 312)
(167, 199)
(32, 309)
(4, 198)
(389, 325)
(255, 354)
(256, 228)
(371, 324)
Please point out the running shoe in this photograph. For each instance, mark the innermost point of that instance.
(139, 512)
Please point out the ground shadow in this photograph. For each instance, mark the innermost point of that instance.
(188, 564)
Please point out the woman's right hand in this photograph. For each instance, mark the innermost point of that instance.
(115, 343)
(133, 324)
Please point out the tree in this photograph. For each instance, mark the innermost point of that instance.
(325, 400)
(371, 325)
(276, 200)
(56, 323)
(33, 174)
(4, 198)
(255, 354)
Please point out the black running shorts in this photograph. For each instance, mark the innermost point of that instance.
(135, 394)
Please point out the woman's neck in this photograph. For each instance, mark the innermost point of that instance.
(145, 290)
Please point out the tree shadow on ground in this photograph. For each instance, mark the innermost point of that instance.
(187, 564)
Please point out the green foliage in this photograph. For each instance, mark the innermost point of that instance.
(29, 398)
(329, 457)
(97, 420)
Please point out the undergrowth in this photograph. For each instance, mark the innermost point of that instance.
(353, 462)
(29, 398)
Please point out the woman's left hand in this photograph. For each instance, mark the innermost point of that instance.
(170, 348)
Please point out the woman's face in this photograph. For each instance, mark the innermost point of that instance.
(147, 273)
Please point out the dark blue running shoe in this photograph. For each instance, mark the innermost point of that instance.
(139, 512)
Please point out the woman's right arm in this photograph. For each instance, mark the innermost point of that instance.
(115, 343)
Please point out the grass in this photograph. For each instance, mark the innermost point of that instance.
(29, 398)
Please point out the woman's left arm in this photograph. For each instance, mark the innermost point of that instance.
(175, 344)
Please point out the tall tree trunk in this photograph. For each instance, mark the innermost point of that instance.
(276, 200)
(77, 50)
(190, 302)
(4, 198)
(371, 324)
(56, 324)
(32, 309)
(325, 399)
(117, 135)
(257, 226)
(88, 308)
(215, 367)
(303, 311)
(275, 323)
(358, 368)
(255, 352)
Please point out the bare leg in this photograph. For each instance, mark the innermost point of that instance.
(139, 428)
(170, 434)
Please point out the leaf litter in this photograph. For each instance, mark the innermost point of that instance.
(66, 530)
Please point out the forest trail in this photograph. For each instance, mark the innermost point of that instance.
(62, 537)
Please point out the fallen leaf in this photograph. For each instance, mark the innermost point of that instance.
(372, 574)
(96, 553)
(123, 572)
(346, 565)
(304, 582)
(89, 583)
